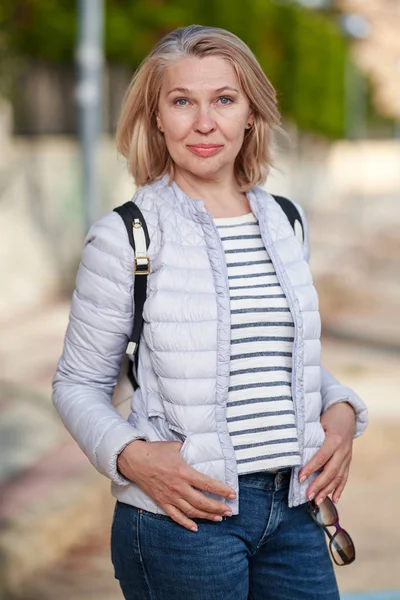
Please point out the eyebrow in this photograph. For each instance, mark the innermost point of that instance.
(218, 91)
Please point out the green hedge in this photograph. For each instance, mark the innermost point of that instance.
(302, 52)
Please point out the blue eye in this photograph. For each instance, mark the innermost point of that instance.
(225, 100)
(181, 102)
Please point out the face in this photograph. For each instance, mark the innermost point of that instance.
(203, 114)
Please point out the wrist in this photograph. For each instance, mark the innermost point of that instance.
(350, 406)
(341, 405)
(126, 455)
(346, 407)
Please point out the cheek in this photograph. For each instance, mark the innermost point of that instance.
(235, 136)
(233, 128)
(176, 126)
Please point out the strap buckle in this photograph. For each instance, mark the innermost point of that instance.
(142, 265)
(131, 348)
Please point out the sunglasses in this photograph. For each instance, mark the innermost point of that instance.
(341, 545)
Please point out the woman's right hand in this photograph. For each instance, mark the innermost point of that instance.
(159, 469)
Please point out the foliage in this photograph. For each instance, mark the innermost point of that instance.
(302, 52)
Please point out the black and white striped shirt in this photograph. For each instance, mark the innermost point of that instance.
(260, 407)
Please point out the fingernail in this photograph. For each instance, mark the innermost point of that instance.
(195, 529)
(228, 513)
(319, 501)
(232, 496)
(217, 518)
(311, 496)
(303, 478)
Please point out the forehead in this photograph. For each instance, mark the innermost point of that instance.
(208, 73)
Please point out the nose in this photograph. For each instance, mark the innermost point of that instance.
(204, 122)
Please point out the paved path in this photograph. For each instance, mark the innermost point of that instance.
(50, 495)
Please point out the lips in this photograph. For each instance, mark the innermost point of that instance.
(204, 149)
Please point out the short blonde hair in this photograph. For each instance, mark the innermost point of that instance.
(138, 137)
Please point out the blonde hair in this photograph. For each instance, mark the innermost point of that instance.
(138, 137)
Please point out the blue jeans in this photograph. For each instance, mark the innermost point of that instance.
(266, 552)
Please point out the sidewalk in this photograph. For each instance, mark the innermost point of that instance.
(51, 496)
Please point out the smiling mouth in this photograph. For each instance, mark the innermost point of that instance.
(205, 149)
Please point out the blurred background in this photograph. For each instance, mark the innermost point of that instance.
(64, 69)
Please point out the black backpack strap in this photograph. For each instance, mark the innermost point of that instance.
(136, 228)
(291, 212)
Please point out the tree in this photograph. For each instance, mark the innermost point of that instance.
(303, 53)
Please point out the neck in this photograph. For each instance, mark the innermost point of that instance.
(221, 197)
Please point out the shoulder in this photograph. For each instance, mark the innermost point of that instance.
(105, 276)
(109, 236)
(283, 211)
(277, 201)
(150, 198)
(109, 232)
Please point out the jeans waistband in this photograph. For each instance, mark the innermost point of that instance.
(267, 479)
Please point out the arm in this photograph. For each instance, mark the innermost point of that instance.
(333, 392)
(100, 323)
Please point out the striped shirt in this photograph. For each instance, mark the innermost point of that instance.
(260, 410)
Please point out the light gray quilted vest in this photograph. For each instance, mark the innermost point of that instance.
(184, 352)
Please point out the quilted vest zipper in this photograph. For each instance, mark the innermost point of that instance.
(231, 476)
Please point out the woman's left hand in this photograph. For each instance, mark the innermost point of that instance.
(334, 457)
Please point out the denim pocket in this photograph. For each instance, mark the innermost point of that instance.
(123, 538)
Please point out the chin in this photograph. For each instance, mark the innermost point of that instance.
(205, 168)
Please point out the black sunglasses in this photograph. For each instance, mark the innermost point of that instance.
(341, 545)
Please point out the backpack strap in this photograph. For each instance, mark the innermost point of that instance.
(292, 213)
(139, 239)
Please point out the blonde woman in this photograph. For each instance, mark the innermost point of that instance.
(235, 427)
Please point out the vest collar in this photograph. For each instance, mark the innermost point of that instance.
(195, 209)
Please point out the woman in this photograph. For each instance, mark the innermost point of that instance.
(235, 424)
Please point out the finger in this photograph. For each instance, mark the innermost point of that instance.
(179, 517)
(199, 501)
(319, 459)
(339, 490)
(331, 471)
(331, 487)
(194, 513)
(209, 485)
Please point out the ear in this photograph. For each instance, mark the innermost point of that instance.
(250, 121)
(158, 121)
